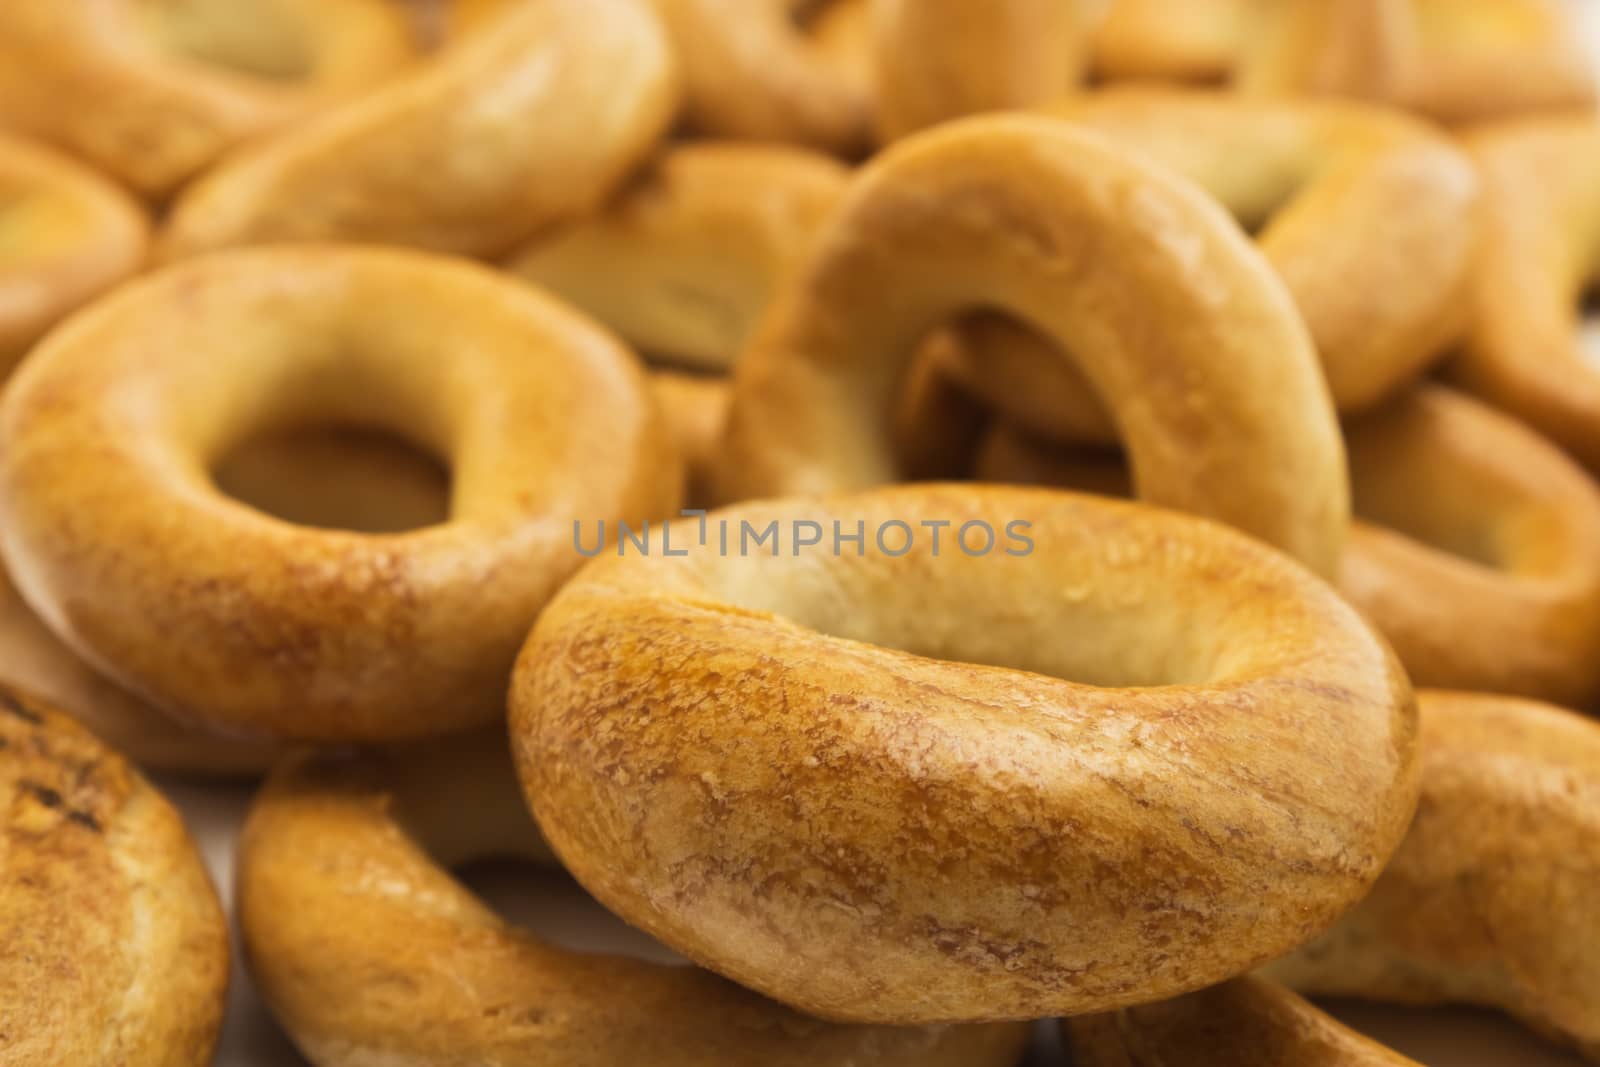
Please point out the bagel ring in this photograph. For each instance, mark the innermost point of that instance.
(66, 235)
(1456, 61)
(685, 260)
(728, 751)
(1541, 252)
(1315, 181)
(1494, 898)
(152, 91)
(116, 534)
(1058, 227)
(343, 894)
(937, 60)
(1473, 551)
(531, 120)
(1244, 1023)
(116, 945)
(1142, 40)
(751, 73)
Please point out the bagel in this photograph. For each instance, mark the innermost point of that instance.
(1453, 60)
(1197, 41)
(1474, 550)
(368, 951)
(1244, 1023)
(533, 120)
(752, 72)
(65, 236)
(685, 260)
(152, 91)
(1542, 228)
(728, 750)
(116, 535)
(116, 946)
(937, 60)
(1480, 555)
(1494, 898)
(1314, 181)
(1060, 228)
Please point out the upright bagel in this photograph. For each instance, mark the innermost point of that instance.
(684, 261)
(1494, 898)
(116, 950)
(1541, 252)
(728, 749)
(937, 60)
(151, 91)
(117, 536)
(530, 121)
(1453, 60)
(1160, 299)
(1315, 182)
(1243, 1023)
(66, 235)
(751, 73)
(341, 879)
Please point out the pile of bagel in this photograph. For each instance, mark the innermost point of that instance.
(392, 389)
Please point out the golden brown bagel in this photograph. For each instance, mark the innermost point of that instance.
(1494, 898)
(116, 535)
(1195, 41)
(696, 409)
(342, 881)
(531, 121)
(1452, 60)
(1244, 1023)
(1314, 181)
(151, 91)
(1060, 228)
(1542, 232)
(1476, 551)
(684, 261)
(753, 73)
(937, 60)
(66, 234)
(1479, 556)
(730, 751)
(116, 950)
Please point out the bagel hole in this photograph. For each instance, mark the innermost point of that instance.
(340, 477)
(258, 40)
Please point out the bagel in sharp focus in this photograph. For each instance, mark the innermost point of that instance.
(1494, 898)
(66, 235)
(1062, 229)
(684, 261)
(1369, 217)
(1244, 1023)
(937, 60)
(116, 949)
(368, 951)
(752, 72)
(1541, 254)
(729, 750)
(531, 120)
(116, 534)
(152, 91)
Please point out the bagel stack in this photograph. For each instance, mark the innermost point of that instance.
(1044, 531)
